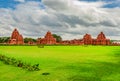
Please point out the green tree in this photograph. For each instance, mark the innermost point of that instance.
(58, 38)
(26, 40)
(4, 39)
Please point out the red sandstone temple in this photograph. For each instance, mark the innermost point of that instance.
(88, 40)
(48, 39)
(72, 42)
(16, 38)
(100, 40)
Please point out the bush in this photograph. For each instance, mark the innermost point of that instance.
(19, 63)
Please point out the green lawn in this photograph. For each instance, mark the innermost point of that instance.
(64, 63)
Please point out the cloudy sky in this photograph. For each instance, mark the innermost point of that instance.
(68, 18)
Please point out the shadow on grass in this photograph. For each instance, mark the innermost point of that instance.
(99, 71)
(117, 56)
(83, 78)
(94, 71)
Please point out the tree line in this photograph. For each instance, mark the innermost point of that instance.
(4, 39)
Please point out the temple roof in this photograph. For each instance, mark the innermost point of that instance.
(101, 36)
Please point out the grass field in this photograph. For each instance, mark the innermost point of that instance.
(63, 63)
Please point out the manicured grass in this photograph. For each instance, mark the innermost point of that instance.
(63, 63)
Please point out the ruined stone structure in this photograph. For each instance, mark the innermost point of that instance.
(115, 43)
(16, 38)
(73, 42)
(100, 40)
(87, 39)
(31, 43)
(77, 42)
(48, 39)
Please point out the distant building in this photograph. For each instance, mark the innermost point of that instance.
(16, 38)
(31, 43)
(116, 43)
(100, 40)
(48, 39)
(87, 39)
(73, 42)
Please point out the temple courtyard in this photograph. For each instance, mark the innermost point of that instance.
(63, 63)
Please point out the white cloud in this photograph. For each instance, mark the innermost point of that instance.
(68, 18)
(88, 5)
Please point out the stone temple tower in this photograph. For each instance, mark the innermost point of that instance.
(48, 39)
(101, 39)
(16, 38)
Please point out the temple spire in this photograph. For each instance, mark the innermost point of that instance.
(16, 38)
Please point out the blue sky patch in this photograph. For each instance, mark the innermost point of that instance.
(112, 5)
(12, 3)
(8, 3)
